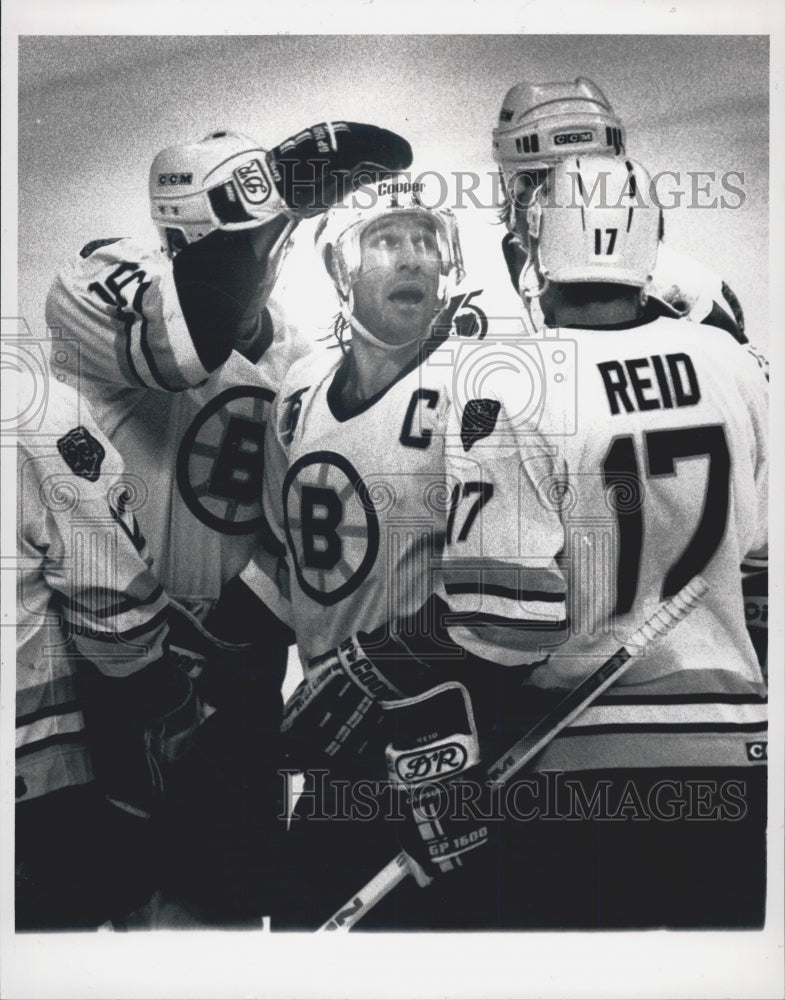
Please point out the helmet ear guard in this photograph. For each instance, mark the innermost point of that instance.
(221, 182)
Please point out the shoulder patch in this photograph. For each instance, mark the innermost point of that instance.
(82, 453)
(93, 245)
(478, 421)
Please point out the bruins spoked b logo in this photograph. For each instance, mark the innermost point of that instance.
(332, 526)
(220, 463)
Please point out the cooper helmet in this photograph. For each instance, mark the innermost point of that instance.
(220, 182)
(340, 230)
(339, 233)
(594, 220)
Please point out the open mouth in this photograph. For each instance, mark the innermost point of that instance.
(408, 295)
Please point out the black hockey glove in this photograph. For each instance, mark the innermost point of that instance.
(136, 727)
(244, 676)
(335, 716)
(433, 763)
(317, 167)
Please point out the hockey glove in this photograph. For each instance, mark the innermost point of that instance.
(136, 726)
(433, 764)
(336, 713)
(244, 676)
(317, 167)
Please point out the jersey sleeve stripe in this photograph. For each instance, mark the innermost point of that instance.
(147, 628)
(498, 646)
(45, 712)
(674, 714)
(267, 577)
(615, 698)
(631, 748)
(59, 738)
(143, 359)
(114, 602)
(49, 726)
(479, 619)
(55, 764)
(546, 577)
(510, 593)
(668, 727)
(52, 693)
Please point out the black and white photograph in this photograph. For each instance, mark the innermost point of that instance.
(388, 470)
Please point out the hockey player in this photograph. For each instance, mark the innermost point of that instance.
(353, 490)
(91, 643)
(641, 463)
(541, 124)
(474, 605)
(180, 360)
(178, 353)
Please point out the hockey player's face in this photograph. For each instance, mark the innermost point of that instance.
(396, 291)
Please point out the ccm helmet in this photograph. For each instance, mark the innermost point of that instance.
(594, 221)
(340, 229)
(543, 123)
(220, 182)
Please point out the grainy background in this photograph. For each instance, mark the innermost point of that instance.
(93, 111)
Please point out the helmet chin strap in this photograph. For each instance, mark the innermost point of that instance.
(531, 295)
(347, 311)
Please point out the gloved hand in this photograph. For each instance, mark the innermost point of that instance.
(335, 713)
(316, 168)
(136, 726)
(433, 761)
(244, 675)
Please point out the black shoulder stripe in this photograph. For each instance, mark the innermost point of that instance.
(719, 317)
(94, 245)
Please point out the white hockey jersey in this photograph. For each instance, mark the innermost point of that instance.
(192, 440)
(615, 465)
(85, 589)
(691, 289)
(359, 498)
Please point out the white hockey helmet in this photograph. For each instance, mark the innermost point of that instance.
(594, 220)
(340, 229)
(220, 182)
(542, 123)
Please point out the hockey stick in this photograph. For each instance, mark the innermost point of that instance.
(667, 616)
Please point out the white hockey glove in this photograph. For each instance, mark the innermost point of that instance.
(433, 761)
